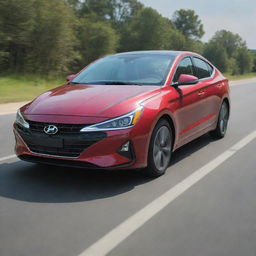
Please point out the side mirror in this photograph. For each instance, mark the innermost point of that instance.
(70, 77)
(186, 80)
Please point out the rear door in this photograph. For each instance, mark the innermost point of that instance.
(207, 93)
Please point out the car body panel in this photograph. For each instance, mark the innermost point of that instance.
(89, 100)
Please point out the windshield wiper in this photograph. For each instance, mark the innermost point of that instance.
(77, 83)
(113, 83)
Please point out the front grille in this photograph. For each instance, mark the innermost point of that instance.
(68, 142)
(62, 128)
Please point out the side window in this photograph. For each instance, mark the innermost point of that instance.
(185, 67)
(202, 68)
(210, 68)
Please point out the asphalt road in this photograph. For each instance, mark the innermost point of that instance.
(63, 211)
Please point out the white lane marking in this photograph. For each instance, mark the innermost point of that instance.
(7, 157)
(113, 238)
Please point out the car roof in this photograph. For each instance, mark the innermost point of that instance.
(153, 52)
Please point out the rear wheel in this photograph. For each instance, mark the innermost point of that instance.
(222, 124)
(160, 149)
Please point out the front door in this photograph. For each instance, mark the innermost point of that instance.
(189, 104)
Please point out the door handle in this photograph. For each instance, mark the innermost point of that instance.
(201, 93)
(220, 85)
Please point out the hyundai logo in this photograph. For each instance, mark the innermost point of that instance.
(50, 129)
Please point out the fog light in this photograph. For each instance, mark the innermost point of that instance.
(126, 150)
(125, 147)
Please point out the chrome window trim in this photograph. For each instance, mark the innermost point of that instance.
(191, 57)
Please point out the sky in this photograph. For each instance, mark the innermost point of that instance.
(237, 16)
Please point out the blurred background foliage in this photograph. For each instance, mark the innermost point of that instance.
(57, 37)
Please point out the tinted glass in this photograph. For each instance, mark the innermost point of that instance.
(142, 69)
(210, 68)
(185, 67)
(202, 68)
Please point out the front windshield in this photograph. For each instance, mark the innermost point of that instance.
(134, 69)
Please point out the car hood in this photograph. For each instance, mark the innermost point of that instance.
(90, 100)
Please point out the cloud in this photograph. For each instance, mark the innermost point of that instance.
(244, 28)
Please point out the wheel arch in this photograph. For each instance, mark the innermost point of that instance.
(170, 121)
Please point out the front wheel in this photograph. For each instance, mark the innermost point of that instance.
(160, 149)
(222, 124)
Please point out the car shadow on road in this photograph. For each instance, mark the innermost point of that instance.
(191, 147)
(48, 184)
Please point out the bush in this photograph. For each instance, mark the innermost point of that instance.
(244, 60)
(217, 55)
(233, 68)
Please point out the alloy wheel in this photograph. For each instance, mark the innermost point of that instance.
(162, 148)
(223, 118)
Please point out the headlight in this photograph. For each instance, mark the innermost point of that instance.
(20, 120)
(121, 122)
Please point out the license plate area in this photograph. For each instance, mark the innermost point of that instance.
(48, 142)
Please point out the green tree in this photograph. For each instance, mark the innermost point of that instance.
(4, 54)
(96, 39)
(73, 3)
(149, 30)
(254, 64)
(230, 41)
(194, 46)
(188, 23)
(228, 52)
(53, 38)
(174, 40)
(217, 54)
(244, 60)
(233, 68)
(16, 25)
(116, 11)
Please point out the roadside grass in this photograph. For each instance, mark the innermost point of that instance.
(240, 77)
(17, 87)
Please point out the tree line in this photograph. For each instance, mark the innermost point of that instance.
(56, 37)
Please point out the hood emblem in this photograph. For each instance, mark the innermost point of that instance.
(50, 129)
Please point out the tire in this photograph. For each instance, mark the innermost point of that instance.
(222, 124)
(160, 149)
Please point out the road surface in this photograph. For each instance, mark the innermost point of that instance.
(204, 205)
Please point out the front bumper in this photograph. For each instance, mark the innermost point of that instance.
(101, 154)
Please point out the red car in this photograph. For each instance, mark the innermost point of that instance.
(128, 110)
